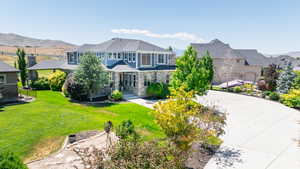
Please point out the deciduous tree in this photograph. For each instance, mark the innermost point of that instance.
(184, 121)
(191, 72)
(91, 74)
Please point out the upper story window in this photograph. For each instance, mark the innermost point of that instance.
(126, 56)
(119, 56)
(115, 55)
(109, 55)
(2, 79)
(133, 57)
(146, 59)
(161, 58)
(129, 57)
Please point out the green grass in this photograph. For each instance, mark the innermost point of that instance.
(23, 127)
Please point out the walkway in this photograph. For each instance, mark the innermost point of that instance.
(66, 158)
(260, 134)
(137, 100)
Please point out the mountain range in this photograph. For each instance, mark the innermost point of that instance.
(11, 39)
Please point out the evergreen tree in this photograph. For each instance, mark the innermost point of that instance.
(286, 78)
(191, 72)
(22, 66)
(91, 74)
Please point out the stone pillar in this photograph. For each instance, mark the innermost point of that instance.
(32, 74)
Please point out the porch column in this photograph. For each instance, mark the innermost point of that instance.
(116, 81)
(141, 89)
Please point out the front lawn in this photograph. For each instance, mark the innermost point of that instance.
(35, 129)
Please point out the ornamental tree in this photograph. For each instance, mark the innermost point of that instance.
(192, 72)
(270, 76)
(22, 66)
(91, 74)
(184, 121)
(286, 78)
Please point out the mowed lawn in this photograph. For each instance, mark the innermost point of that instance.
(37, 128)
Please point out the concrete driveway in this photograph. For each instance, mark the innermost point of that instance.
(260, 134)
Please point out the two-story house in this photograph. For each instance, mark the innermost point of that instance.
(132, 64)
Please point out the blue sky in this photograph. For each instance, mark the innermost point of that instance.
(269, 26)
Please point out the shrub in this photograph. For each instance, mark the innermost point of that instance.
(237, 89)
(267, 93)
(274, 96)
(57, 80)
(126, 130)
(40, 84)
(249, 88)
(291, 99)
(75, 90)
(116, 95)
(296, 82)
(158, 90)
(9, 160)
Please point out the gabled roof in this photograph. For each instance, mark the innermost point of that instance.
(4, 68)
(120, 45)
(216, 48)
(48, 64)
(253, 57)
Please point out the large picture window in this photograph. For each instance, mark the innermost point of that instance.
(146, 59)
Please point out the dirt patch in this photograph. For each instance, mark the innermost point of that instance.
(45, 147)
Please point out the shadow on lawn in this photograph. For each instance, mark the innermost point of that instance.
(12, 104)
(94, 104)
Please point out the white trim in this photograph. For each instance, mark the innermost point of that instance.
(4, 77)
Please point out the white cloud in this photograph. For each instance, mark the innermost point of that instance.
(179, 35)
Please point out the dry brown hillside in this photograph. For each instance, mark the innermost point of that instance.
(57, 51)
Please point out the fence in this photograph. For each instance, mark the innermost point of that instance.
(28, 92)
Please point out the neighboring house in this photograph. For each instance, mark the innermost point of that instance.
(8, 83)
(231, 64)
(133, 64)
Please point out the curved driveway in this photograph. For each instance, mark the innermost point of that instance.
(260, 134)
